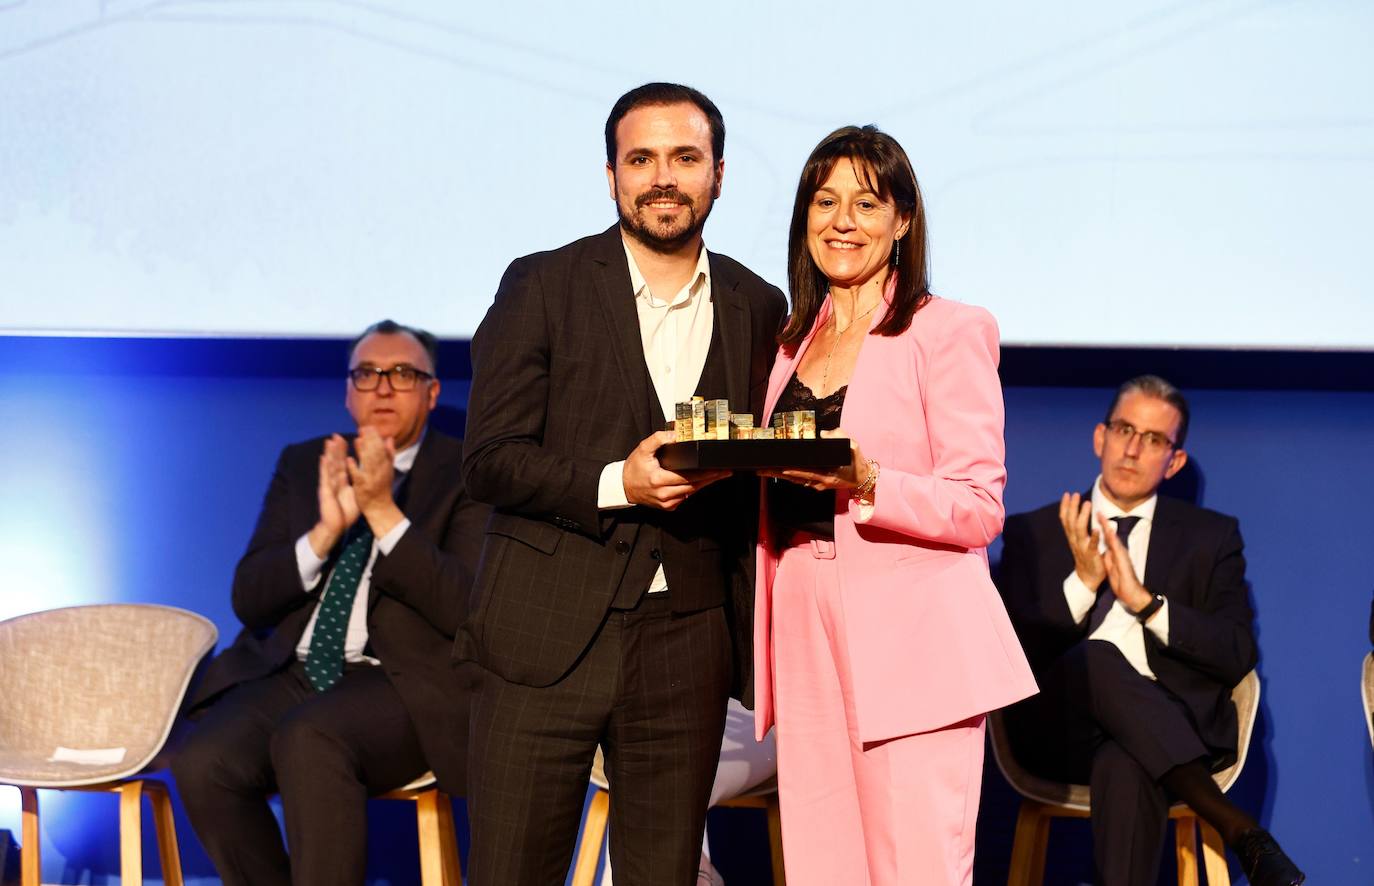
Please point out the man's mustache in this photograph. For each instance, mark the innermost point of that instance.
(654, 196)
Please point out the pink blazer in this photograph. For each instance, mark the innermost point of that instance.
(927, 635)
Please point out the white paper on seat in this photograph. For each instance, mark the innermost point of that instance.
(88, 756)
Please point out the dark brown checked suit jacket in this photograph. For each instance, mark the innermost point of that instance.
(419, 595)
(560, 389)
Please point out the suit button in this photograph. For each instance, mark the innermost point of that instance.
(622, 547)
(656, 554)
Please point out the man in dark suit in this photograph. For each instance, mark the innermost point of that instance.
(341, 684)
(1133, 609)
(614, 597)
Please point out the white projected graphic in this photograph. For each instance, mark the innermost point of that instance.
(1193, 173)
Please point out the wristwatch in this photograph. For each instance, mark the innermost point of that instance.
(1150, 609)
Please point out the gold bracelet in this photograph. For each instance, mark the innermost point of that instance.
(864, 491)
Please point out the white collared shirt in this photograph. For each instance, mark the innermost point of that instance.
(1121, 626)
(676, 335)
(311, 566)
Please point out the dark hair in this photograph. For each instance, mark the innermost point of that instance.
(665, 94)
(391, 327)
(884, 168)
(1154, 386)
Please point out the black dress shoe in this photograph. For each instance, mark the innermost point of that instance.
(1264, 862)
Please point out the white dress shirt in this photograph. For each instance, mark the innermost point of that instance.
(1121, 626)
(311, 566)
(676, 335)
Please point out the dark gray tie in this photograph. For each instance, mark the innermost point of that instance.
(1105, 597)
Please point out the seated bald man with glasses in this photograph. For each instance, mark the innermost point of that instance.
(340, 685)
(1134, 611)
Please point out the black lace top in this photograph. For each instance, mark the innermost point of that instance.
(792, 507)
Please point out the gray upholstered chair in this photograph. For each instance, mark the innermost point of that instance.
(763, 796)
(1043, 800)
(91, 693)
(1367, 690)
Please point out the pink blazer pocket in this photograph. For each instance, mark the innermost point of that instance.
(930, 645)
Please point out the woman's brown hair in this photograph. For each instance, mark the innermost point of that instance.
(884, 168)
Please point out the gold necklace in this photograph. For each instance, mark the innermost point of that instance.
(839, 333)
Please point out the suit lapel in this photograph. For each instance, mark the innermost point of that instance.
(611, 280)
(732, 319)
(786, 365)
(1165, 538)
(423, 485)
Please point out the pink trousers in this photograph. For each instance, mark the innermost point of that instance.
(899, 811)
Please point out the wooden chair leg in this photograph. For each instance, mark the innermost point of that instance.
(1028, 846)
(1185, 846)
(593, 835)
(131, 833)
(1214, 856)
(1042, 846)
(169, 853)
(775, 841)
(30, 857)
(428, 824)
(448, 842)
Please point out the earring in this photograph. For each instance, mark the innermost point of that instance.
(896, 252)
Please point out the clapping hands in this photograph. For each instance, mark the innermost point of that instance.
(1085, 542)
(350, 487)
(1094, 565)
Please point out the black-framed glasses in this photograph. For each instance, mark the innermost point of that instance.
(402, 378)
(1151, 440)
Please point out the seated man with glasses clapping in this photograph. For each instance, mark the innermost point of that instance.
(340, 684)
(1133, 610)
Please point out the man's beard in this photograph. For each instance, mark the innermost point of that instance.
(648, 228)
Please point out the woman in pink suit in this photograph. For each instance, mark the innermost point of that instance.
(880, 641)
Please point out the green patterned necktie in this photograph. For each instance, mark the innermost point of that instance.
(324, 662)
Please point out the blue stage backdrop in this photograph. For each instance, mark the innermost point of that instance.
(134, 470)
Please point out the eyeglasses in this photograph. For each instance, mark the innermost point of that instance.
(403, 378)
(1151, 440)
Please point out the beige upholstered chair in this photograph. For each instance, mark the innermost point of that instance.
(90, 696)
(764, 796)
(1367, 687)
(439, 863)
(1043, 800)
